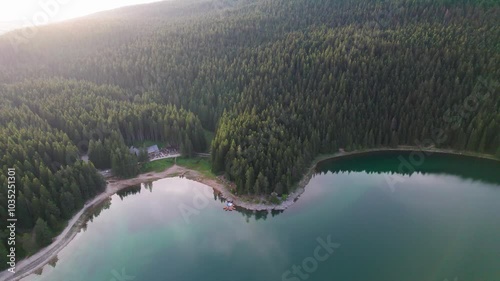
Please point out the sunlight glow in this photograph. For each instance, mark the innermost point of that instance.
(26, 12)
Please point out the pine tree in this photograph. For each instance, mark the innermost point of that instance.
(143, 155)
(43, 235)
(250, 180)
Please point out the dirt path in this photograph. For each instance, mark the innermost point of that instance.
(31, 264)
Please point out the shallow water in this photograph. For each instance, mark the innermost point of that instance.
(435, 221)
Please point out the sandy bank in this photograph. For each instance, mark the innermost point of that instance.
(35, 262)
(30, 264)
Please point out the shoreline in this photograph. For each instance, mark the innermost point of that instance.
(299, 188)
(33, 263)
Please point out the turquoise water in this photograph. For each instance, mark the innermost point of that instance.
(439, 220)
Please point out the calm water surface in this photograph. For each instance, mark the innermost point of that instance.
(433, 220)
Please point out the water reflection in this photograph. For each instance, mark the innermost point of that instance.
(417, 162)
(131, 190)
(149, 186)
(53, 261)
(249, 215)
(439, 222)
(480, 170)
(257, 215)
(393, 162)
(94, 211)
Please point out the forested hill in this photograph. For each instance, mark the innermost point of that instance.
(278, 82)
(294, 78)
(45, 128)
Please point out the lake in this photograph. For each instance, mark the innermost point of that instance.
(374, 217)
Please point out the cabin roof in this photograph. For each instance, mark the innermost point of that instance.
(151, 149)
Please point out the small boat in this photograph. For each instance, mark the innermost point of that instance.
(229, 206)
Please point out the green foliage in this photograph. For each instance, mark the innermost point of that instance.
(124, 163)
(157, 166)
(52, 183)
(42, 232)
(28, 244)
(148, 143)
(3, 256)
(284, 197)
(199, 164)
(274, 200)
(209, 136)
(278, 82)
(100, 153)
(143, 155)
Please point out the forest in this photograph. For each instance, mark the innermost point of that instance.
(278, 82)
(45, 128)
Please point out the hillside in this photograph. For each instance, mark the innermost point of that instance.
(279, 82)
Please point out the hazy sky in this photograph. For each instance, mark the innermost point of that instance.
(27, 12)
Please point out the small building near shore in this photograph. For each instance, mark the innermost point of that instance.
(151, 149)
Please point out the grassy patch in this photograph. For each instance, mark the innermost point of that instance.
(275, 200)
(199, 164)
(284, 197)
(157, 166)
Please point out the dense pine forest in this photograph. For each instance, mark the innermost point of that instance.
(278, 82)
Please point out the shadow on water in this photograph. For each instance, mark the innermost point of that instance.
(398, 162)
(393, 162)
(131, 190)
(408, 163)
(94, 212)
(257, 215)
(248, 214)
